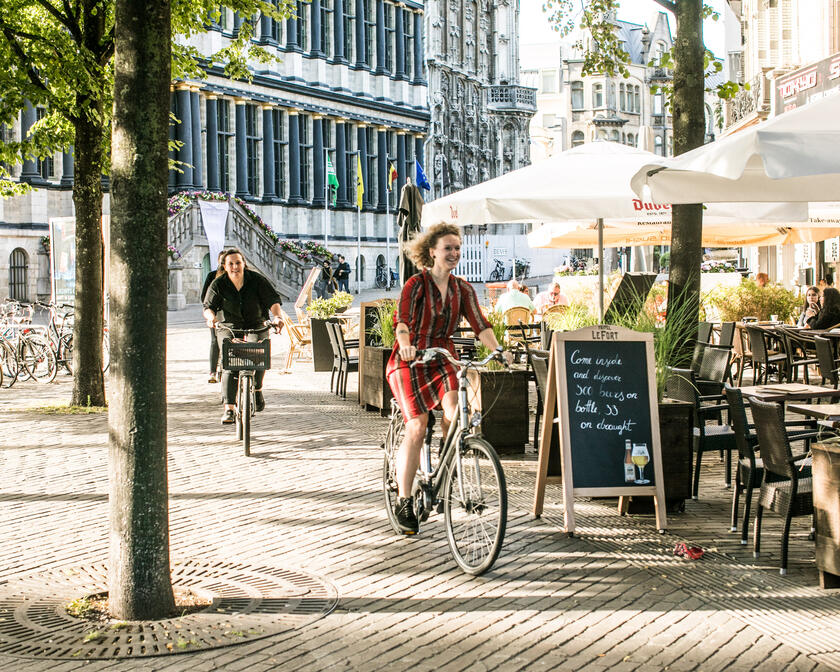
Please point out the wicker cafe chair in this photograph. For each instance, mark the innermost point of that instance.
(749, 471)
(714, 369)
(763, 358)
(825, 361)
(788, 494)
(704, 332)
(300, 339)
(554, 310)
(799, 350)
(336, 365)
(741, 354)
(681, 385)
(727, 334)
(347, 364)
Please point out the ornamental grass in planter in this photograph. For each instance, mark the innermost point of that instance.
(319, 311)
(374, 390)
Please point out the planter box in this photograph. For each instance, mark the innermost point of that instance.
(322, 352)
(826, 474)
(676, 437)
(502, 398)
(374, 391)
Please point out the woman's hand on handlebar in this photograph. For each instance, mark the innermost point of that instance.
(210, 321)
(408, 353)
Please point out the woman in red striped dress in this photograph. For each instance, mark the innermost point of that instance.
(431, 305)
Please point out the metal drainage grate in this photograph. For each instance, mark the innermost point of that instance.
(248, 603)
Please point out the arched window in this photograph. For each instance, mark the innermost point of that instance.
(602, 134)
(19, 275)
(597, 95)
(614, 136)
(360, 268)
(631, 139)
(577, 95)
(380, 261)
(657, 145)
(623, 138)
(622, 100)
(578, 138)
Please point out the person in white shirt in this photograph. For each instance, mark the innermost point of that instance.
(514, 298)
(550, 297)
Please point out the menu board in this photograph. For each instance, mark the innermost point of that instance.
(602, 380)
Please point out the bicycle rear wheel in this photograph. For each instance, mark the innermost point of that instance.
(9, 363)
(476, 515)
(245, 387)
(38, 358)
(65, 351)
(393, 438)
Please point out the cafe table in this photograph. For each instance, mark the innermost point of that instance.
(829, 414)
(789, 392)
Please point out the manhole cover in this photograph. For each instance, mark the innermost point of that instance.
(248, 603)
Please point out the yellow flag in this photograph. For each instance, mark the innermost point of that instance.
(360, 183)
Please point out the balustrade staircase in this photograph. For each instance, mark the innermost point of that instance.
(286, 271)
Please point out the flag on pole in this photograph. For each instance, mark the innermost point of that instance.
(332, 180)
(360, 183)
(392, 176)
(420, 177)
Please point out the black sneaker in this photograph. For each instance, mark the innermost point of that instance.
(228, 417)
(259, 400)
(406, 519)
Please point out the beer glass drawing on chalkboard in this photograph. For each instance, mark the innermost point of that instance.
(640, 457)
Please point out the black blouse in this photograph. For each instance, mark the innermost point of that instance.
(246, 308)
(824, 320)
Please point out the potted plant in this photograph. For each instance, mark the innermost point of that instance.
(733, 303)
(501, 396)
(374, 391)
(319, 311)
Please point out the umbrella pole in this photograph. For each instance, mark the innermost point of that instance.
(600, 270)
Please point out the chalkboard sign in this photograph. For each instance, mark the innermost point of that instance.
(602, 380)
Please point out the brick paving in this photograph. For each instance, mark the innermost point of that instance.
(613, 597)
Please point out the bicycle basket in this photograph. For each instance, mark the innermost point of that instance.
(246, 356)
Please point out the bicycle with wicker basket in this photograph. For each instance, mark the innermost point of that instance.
(245, 358)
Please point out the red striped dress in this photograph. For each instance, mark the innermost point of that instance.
(431, 322)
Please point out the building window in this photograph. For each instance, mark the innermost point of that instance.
(370, 32)
(372, 187)
(252, 157)
(225, 134)
(622, 100)
(18, 275)
(408, 41)
(302, 18)
(326, 27)
(548, 81)
(305, 158)
(391, 143)
(631, 139)
(657, 145)
(280, 149)
(390, 37)
(597, 95)
(614, 136)
(577, 95)
(637, 106)
(549, 120)
(349, 21)
(46, 166)
(657, 104)
(350, 174)
(223, 21)
(328, 133)
(409, 158)
(578, 138)
(611, 99)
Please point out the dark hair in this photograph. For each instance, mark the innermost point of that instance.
(810, 289)
(225, 255)
(828, 279)
(831, 300)
(420, 246)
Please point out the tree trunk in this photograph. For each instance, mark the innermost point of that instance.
(139, 575)
(688, 117)
(88, 381)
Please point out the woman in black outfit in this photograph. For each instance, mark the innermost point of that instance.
(215, 369)
(829, 313)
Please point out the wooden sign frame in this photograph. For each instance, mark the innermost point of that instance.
(557, 392)
(305, 295)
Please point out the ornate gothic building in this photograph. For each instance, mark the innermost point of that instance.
(479, 112)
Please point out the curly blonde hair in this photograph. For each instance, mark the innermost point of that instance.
(419, 248)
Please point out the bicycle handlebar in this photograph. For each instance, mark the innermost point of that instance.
(429, 354)
(245, 332)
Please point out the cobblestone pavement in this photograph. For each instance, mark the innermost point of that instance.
(613, 597)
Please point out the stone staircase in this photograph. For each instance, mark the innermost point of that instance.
(286, 270)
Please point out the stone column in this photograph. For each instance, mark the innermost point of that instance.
(318, 165)
(183, 133)
(380, 38)
(382, 166)
(241, 151)
(67, 167)
(361, 143)
(237, 23)
(268, 154)
(315, 20)
(342, 200)
(195, 114)
(338, 31)
(28, 117)
(400, 40)
(212, 143)
(294, 158)
(400, 160)
(418, 48)
(360, 33)
(292, 41)
(265, 29)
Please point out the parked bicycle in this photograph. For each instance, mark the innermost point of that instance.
(386, 276)
(498, 273)
(245, 358)
(467, 484)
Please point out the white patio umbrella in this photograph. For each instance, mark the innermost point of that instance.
(792, 157)
(587, 183)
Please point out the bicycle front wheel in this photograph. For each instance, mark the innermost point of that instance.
(39, 360)
(393, 439)
(8, 362)
(475, 507)
(245, 384)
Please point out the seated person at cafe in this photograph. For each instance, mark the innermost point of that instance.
(812, 301)
(829, 312)
(550, 297)
(762, 279)
(826, 281)
(514, 298)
